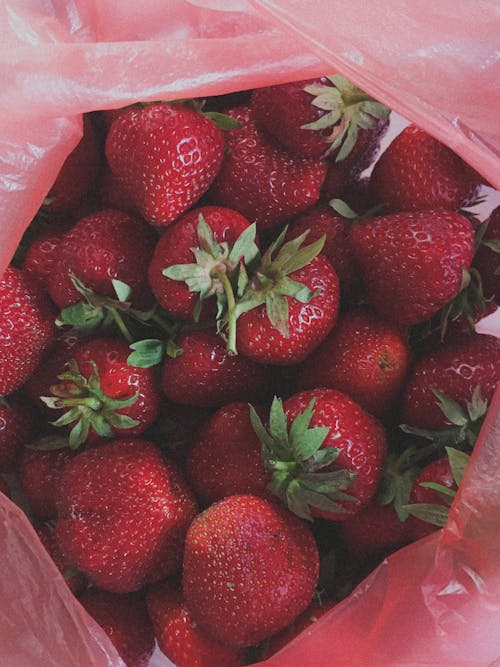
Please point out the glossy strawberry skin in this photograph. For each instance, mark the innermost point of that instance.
(125, 620)
(40, 474)
(42, 254)
(26, 328)
(358, 436)
(364, 357)
(176, 247)
(260, 180)
(455, 369)
(487, 260)
(76, 582)
(103, 246)
(412, 263)
(16, 429)
(180, 638)
(166, 156)
(123, 512)
(438, 472)
(308, 323)
(250, 568)
(417, 172)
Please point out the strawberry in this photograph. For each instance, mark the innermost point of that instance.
(75, 580)
(413, 263)
(166, 157)
(113, 195)
(123, 512)
(125, 620)
(324, 451)
(364, 357)
(180, 638)
(26, 328)
(487, 258)
(250, 568)
(42, 252)
(101, 395)
(226, 457)
(104, 246)
(418, 172)
(260, 180)
(16, 428)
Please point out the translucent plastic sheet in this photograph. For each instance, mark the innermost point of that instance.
(434, 603)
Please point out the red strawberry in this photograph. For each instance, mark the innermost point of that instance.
(123, 512)
(262, 181)
(364, 357)
(250, 568)
(455, 370)
(418, 172)
(487, 259)
(413, 263)
(104, 246)
(206, 375)
(26, 328)
(101, 395)
(42, 253)
(180, 638)
(4, 488)
(226, 457)
(113, 195)
(75, 580)
(124, 618)
(16, 429)
(166, 156)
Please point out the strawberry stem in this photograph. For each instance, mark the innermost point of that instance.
(231, 310)
(121, 325)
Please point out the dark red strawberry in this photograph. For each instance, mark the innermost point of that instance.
(100, 395)
(123, 512)
(26, 328)
(413, 263)
(102, 247)
(166, 157)
(124, 618)
(262, 181)
(418, 172)
(206, 375)
(487, 259)
(364, 357)
(42, 253)
(226, 457)
(16, 429)
(4, 488)
(75, 580)
(250, 568)
(180, 638)
(113, 195)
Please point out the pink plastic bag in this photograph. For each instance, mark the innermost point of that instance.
(436, 602)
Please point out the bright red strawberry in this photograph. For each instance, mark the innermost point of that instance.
(123, 512)
(364, 357)
(226, 457)
(180, 638)
(413, 263)
(4, 488)
(166, 157)
(16, 429)
(487, 259)
(418, 172)
(102, 247)
(42, 253)
(206, 375)
(262, 181)
(455, 370)
(100, 395)
(250, 568)
(124, 618)
(75, 580)
(26, 328)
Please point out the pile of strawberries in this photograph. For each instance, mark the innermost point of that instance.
(236, 372)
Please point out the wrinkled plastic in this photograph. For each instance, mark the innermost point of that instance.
(436, 602)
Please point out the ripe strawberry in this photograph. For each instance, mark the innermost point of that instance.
(455, 370)
(123, 512)
(166, 157)
(413, 263)
(124, 618)
(75, 580)
(206, 375)
(113, 195)
(26, 328)
(180, 638)
(16, 429)
(364, 357)
(42, 252)
(260, 180)
(418, 172)
(226, 457)
(250, 568)
(102, 247)
(487, 258)
(101, 395)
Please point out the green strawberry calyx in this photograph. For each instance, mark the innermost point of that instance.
(85, 405)
(299, 464)
(348, 109)
(397, 479)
